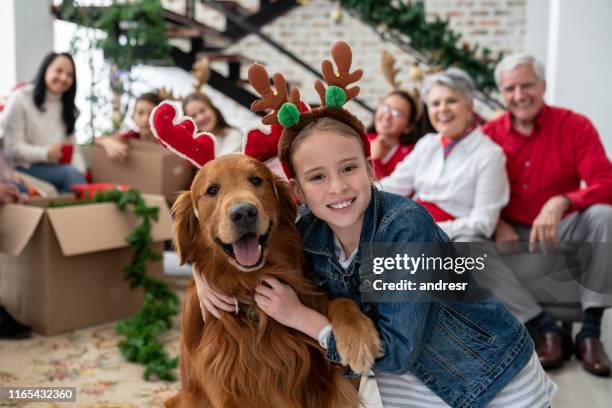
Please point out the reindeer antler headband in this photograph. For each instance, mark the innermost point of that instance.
(387, 65)
(284, 104)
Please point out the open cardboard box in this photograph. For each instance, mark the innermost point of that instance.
(149, 168)
(62, 268)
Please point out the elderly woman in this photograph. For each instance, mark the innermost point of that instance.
(458, 174)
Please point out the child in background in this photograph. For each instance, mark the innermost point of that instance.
(114, 145)
(209, 119)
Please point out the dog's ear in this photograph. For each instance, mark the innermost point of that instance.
(287, 199)
(186, 226)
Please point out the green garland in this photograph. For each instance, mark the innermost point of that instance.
(160, 302)
(435, 37)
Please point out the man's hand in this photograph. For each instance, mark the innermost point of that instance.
(544, 227)
(209, 299)
(54, 153)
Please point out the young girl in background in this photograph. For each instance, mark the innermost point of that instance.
(114, 145)
(435, 354)
(210, 119)
(39, 125)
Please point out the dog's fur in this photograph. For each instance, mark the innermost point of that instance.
(248, 359)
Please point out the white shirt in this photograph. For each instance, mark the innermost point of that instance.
(471, 184)
(228, 142)
(28, 132)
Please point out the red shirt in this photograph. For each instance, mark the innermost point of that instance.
(130, 134)
(562, 150)
(384, 169)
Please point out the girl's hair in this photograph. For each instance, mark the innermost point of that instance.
(152, 97)
(415, 134)
(198, 96)
(325, 124)
(69, 109)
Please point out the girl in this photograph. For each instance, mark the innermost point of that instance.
(395, 131)
(436, 354)
(114, 145)
(210, 119)
(39, 124)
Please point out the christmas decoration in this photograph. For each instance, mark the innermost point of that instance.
(434, 37)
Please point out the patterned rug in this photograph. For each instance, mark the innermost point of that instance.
(89, 360)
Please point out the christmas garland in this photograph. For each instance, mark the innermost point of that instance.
(433, 37)
(141, 330)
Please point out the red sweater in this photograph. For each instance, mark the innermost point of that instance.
(384, 169)
(562, 150)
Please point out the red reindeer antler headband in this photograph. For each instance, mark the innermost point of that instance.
(179, 134)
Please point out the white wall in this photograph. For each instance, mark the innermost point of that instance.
(7, 46)
(578, 57)
(26, 29)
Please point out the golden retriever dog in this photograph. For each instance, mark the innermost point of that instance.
(235, 225)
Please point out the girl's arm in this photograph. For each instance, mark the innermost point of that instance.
(114, 147)
(280, 302)
(14, 139)
(210, 299)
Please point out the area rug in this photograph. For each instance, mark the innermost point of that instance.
(89, 360)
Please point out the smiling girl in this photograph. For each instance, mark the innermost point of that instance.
(436, 354)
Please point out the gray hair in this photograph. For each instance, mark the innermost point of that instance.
(454, 78)
(512, 61)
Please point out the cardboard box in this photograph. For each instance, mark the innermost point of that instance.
(62, 268)
(149, 168)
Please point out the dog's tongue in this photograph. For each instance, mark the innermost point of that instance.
(247, 250)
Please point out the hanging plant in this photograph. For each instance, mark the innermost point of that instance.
(141, 331)
(134, 33)
(433, 37)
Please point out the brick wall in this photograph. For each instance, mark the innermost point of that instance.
(496, 24)
(308, 32)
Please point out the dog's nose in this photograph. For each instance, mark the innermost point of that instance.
(244, 215)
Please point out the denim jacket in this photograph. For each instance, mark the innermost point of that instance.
(465, 352)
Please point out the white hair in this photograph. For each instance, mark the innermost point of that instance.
(454, 78)
(510, 62)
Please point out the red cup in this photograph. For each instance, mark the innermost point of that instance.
(67, 149)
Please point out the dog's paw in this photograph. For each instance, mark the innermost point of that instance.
(357, 339)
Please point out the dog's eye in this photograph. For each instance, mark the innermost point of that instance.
(256, 180)
(212, 190)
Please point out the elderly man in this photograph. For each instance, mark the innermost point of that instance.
(550, 151)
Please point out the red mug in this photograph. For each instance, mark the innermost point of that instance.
(67, 149)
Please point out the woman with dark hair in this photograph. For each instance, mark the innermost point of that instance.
(39, 124)
(209, 119)
(395, 130)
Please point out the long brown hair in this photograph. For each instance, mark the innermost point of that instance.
(200, 97)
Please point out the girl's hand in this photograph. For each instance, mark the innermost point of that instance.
(54, 153)
(116, 150)
(210, 299)
(279, 301)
